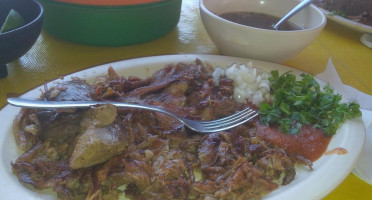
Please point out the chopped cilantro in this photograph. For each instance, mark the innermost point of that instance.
(302, 102)
(338, 12)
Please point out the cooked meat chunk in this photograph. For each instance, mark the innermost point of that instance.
(73, 90)
(26, 129)
(103, 138)
(274, 163)
(58, 125)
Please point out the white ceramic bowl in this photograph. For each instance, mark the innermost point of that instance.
(269, 45)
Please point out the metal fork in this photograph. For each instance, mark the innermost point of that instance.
(198, 126)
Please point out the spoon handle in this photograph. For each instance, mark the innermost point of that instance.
(299, 7)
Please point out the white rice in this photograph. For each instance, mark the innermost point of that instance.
(251, 84)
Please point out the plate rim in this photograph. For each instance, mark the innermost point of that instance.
(363, 28)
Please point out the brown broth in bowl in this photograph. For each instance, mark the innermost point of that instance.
(259, 20)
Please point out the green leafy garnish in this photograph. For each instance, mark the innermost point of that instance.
(13, 20)
(338, 12)
(302, 102)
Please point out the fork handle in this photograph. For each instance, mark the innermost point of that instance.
(34, 103)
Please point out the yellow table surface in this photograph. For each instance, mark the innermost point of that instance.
(50, 57)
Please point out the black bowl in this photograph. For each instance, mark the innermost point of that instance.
(15, 43)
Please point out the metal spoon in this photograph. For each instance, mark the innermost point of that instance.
(295, 10)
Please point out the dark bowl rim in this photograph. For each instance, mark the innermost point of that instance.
(39, 17)
(113, 7)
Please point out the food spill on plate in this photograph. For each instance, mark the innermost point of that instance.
(337, 151)
(105, 152)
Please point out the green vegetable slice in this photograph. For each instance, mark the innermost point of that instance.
(13, 20)
(300, 102)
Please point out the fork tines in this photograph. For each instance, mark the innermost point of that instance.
(230, 121)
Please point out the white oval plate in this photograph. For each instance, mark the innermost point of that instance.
(348, 22)
(329, 171)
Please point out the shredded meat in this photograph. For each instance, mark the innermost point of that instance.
(103, 152)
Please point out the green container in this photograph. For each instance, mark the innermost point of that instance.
(110, 25)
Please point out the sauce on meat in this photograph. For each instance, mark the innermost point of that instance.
(310, 143)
